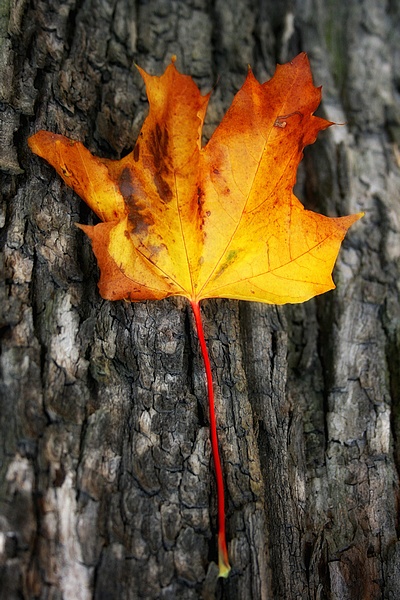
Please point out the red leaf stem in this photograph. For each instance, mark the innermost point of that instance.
(223, 559)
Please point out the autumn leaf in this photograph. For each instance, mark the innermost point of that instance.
(219, 221)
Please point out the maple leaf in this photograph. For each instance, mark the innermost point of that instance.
(213, 221)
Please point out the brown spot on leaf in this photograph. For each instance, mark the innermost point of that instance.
(163, 188)
(139, 214)
(200, 197)
(125, 183)
(158, 148)
(200, 207)
(136, 152)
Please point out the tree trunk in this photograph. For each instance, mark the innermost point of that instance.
(106, 483)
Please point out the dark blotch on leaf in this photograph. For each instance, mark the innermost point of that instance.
(125, 183)
(139, 214)
(163, 189)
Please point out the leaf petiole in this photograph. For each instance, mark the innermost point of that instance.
(223, 559)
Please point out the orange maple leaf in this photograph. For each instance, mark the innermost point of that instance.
(213, 221)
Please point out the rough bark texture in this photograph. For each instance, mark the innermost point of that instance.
(106, 483)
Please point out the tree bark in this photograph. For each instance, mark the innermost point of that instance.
(106, 482)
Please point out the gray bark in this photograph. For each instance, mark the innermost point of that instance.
(106, 481)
